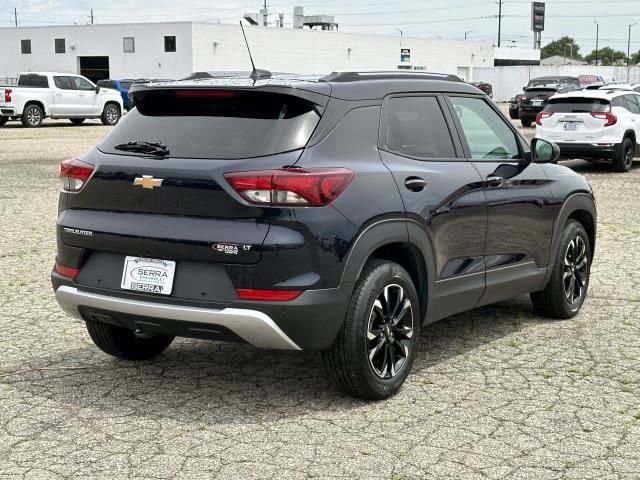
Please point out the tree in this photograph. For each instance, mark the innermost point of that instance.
(565, 47)
(607, 56)
(635, 58)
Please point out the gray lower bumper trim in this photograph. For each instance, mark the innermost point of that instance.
(254, 327)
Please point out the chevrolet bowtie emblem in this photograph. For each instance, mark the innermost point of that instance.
(147, 181)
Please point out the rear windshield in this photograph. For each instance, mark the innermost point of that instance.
(578, 105)
(222, 124)
(39, 81)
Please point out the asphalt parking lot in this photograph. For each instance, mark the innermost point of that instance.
(494, 393)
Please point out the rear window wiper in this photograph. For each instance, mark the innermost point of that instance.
(140, 146)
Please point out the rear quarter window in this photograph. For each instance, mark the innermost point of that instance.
(221, 124)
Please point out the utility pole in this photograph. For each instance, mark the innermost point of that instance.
(629, 44)
(597, 39)
(15, 16)
(91, 16)
(499, 21)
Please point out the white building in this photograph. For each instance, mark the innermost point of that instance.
(176, 49)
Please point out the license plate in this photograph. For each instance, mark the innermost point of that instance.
(148, 275)
(570, 126)
(536, 103)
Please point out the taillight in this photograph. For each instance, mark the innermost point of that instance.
(7, 95)
(267, 295)
(65, 271)
(519, 98)
(542, 115)
(314, 187)
(610, 118)
(74, 174)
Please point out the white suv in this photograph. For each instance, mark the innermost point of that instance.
(594, 124)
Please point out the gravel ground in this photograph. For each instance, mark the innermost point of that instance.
(495, 393)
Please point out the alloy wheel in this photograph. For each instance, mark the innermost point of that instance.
(574, 278)
(33, 116)
(389, 331)
(112, 115)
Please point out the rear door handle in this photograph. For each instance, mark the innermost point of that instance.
(494, 181)
(415, 184)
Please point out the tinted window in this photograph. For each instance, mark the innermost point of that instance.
(231, 125)
(125, 84)
(25, 46)
(415, 127)
(488, 136)
(578, 105)
(618, 102)
(63, 83)
(60, 46)
(170, 44)
(632, 103)
(39, 81)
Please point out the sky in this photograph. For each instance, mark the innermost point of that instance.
(420, 18)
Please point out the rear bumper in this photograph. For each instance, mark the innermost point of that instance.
(8, 111)
(254, 327)
(588, 150)
(310, 322)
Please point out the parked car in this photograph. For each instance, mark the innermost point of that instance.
(553, 80)
(594, 124)
(535, 98)
(514, 106)
(58, 95)
(485, 87)
(251, 210)
(121, 86)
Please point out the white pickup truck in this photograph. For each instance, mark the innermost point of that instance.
(58, 95)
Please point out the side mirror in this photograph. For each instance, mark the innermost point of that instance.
(97, 88)
(543, 151)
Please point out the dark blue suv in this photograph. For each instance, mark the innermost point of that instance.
(338, 214)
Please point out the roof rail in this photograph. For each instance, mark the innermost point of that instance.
(387, 75)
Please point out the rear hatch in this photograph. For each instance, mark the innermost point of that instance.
(535, 98)
(575, 119)
(173, 202)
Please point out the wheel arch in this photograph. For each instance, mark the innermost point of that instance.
(399, 241)
(580, 207)
(35, 102)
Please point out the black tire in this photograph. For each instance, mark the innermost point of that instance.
(124, 343)
(526, 122)
(513, 115)
(347, 362)
(3, 120)
(554, 300)
(32, 116)
(111, 114)
(77, 121)
(624, 156)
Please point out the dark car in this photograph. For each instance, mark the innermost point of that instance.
(536, 98)
(337, 214)
(514, 102)
(514, 106)
(487, 88)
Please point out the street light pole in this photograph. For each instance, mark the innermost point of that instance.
(597, 38)
(629, 44)
(499, 21)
